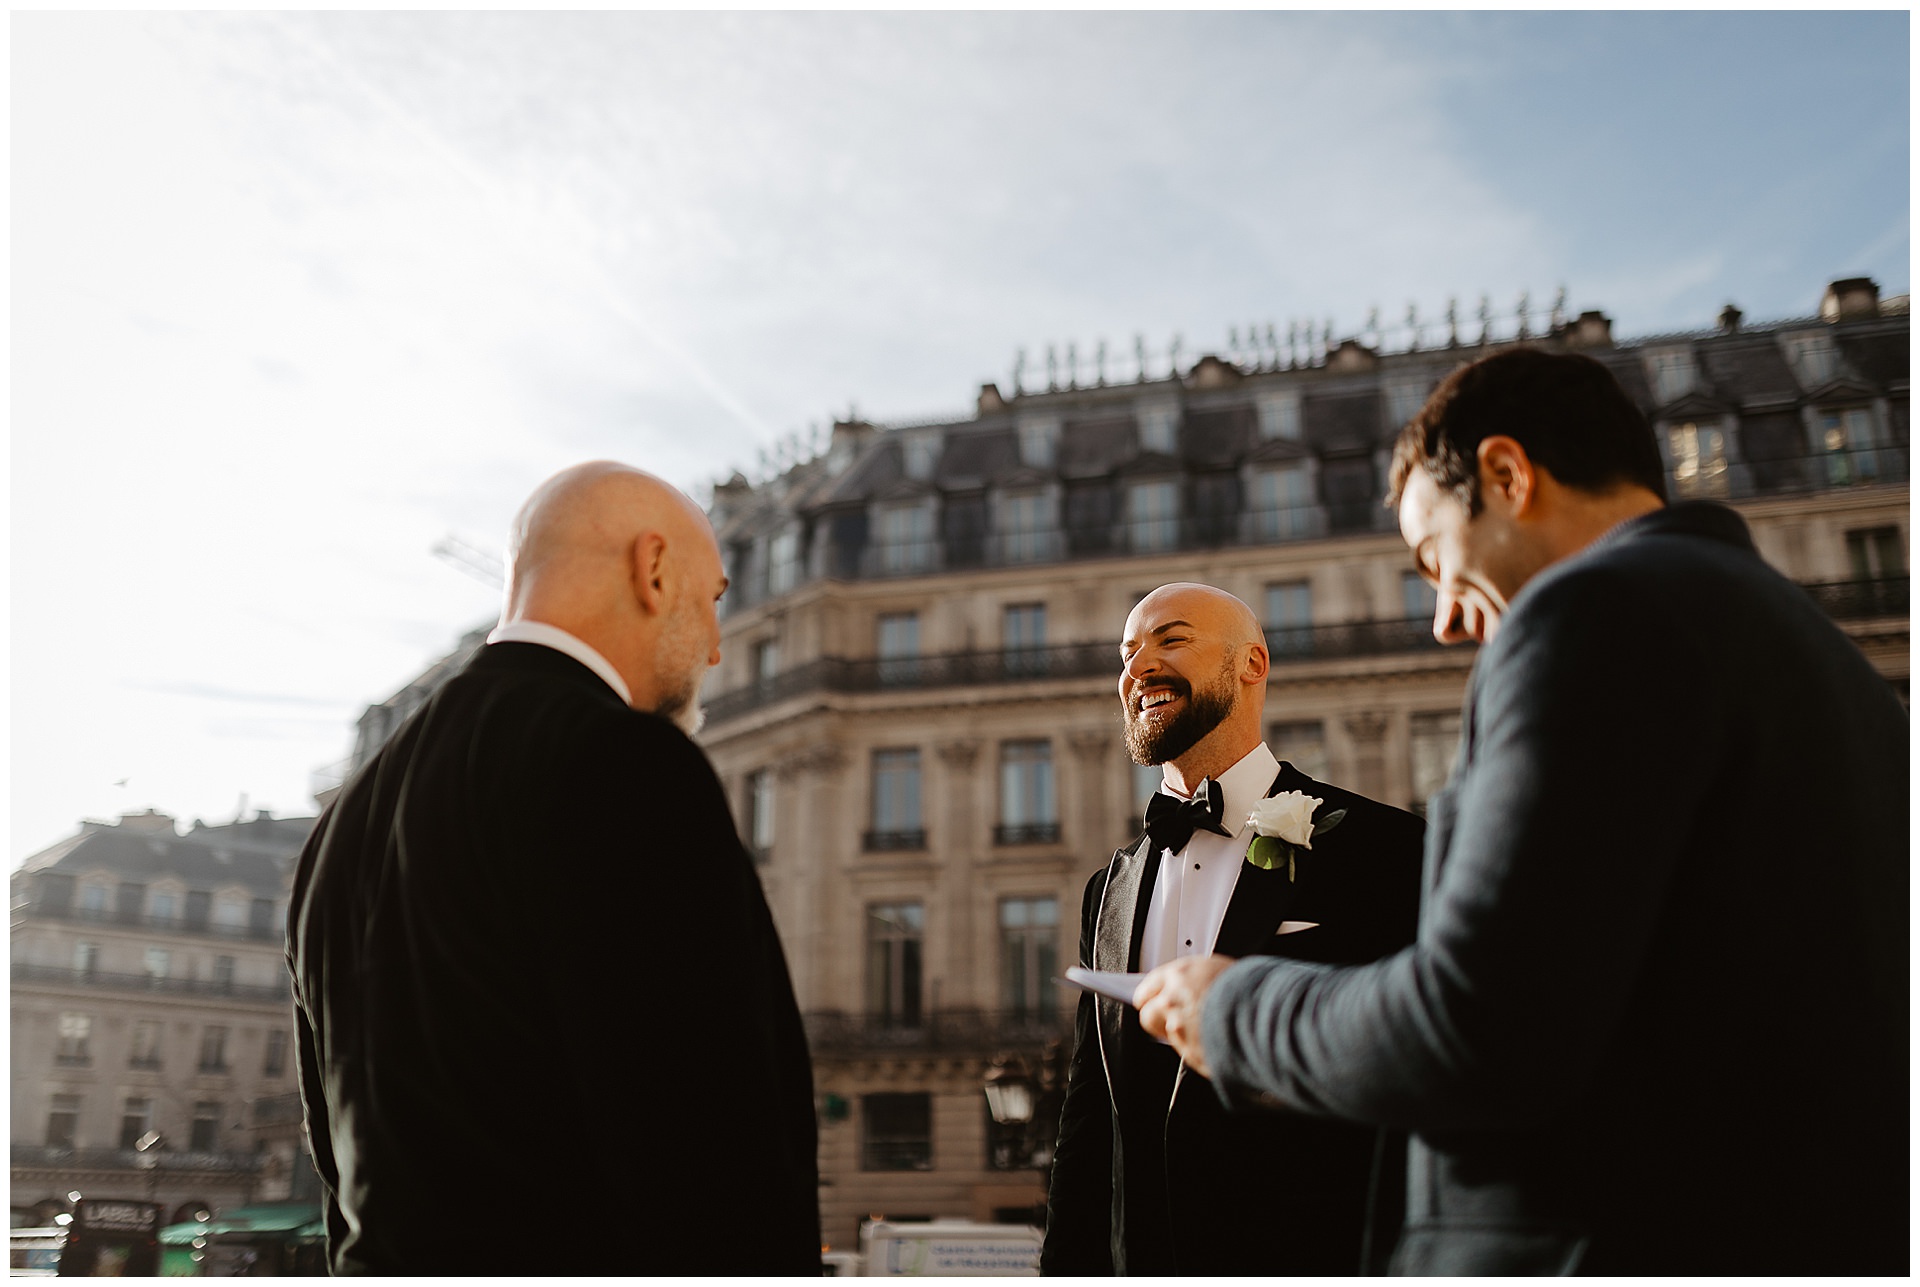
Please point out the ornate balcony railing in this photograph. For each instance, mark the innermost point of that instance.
(44, 910)
(892, 841)
(1842, 600)
(948, 1030)
(63, 977)
(1027, 833)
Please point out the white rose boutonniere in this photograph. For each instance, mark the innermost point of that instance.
(1283, 825)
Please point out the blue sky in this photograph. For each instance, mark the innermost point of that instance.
(295, 296)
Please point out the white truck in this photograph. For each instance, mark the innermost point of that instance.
(949, 1249)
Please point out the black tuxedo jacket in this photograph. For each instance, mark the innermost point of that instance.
(1656, 1018)
(532, 964)
(1151, 1175)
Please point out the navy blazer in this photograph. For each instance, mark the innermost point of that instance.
(1150, 1175)
(1656, 1018)
(530, 955)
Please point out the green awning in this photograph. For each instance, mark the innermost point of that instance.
(289, 1220)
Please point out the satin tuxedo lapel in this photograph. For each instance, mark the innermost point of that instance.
(1116, 943)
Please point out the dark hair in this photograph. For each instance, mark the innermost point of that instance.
(1566, 410)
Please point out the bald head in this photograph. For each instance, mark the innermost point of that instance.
(627, 564)
(1195, 681)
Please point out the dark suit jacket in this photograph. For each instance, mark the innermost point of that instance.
(1151, 1175)
(1656, 1019)
(533, 964)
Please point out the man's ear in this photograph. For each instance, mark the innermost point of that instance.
(1257, 664)
(1507, 474)
(647, 571)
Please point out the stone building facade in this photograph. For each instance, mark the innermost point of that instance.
(150, 1006)
(916, 712)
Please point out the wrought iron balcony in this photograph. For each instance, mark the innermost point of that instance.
(60, 976)
(953, 1030)
(126, 1159)
(41, 909)
(1027, 833)
(891, 841)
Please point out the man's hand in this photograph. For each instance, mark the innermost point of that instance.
(1170, 999)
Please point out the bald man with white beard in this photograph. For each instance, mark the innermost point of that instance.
(1152, 1174)
(480, 921)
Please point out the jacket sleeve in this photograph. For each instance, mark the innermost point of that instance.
(1541, 911)
(1080, 1195)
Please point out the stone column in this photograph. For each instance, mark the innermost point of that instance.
(813, 779)
(957, 848)
(1093, 824)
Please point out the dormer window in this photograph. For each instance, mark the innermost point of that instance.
(1846, 440)
(1280, 415)
(1282, 503)
(906, 538)
(1038, 438)
(1813, 357)
(1673, 373)
(1158, 426)
(1153, 515)
(1024, 527)
(1699, 455)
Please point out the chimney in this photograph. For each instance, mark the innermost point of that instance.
(1210, 372)
(991, 403)
(151, 820)
(1850, 298)
(1730, 319)
(1591, 330)
(848, 435)
(727, 495)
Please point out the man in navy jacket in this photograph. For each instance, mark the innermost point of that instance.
(1655, 1020)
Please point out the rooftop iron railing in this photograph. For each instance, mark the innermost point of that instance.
(952, 1030)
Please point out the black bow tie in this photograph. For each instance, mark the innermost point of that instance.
(1172, 821)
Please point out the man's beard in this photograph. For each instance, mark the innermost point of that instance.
(687, 714)
(679, 651)
(1148, 744)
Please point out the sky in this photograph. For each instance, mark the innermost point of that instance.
(297, 297)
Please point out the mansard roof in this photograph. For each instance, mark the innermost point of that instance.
(253, 854)
(1342, 421)
(1096, 446)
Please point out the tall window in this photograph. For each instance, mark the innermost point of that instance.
(766, 660)
(906, 538)
(896, 800)
(1029, 951)
(1023, 635)
(260, 918)
(760, 814)
(199, 904)
(1846, 437)
(783, 570)
(276, 1061)
(230, 915)
(1023, 527)
(1289, 619)
(223, 972)
(1153, 515)
(1699, 459)
(63, 1121)
(1301, 743)
(163, 907)
(1434, 743)
(93, 902)
(1876, 553)
(1027, 811)
(1282, 503)
(894, 932)
(1814, 359)
(159, 962)
(896, 1132)
(213, 1049)
(86, 959)
(145, 1049)
(136, 1119)
(897, 641)
(1280, 416)
(128, 900)
(74, 1037)
(206, 1128)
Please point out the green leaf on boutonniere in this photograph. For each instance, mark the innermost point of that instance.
(1328, 823)
(1266, 852)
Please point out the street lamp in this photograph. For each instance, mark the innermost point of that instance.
(1010, 1091)
(148, 1146)
(1016, 1097)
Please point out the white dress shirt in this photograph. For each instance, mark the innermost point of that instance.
(1191, 893)
(539, 632)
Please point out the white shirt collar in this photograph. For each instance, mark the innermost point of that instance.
(539, 632)
(1242, 786)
